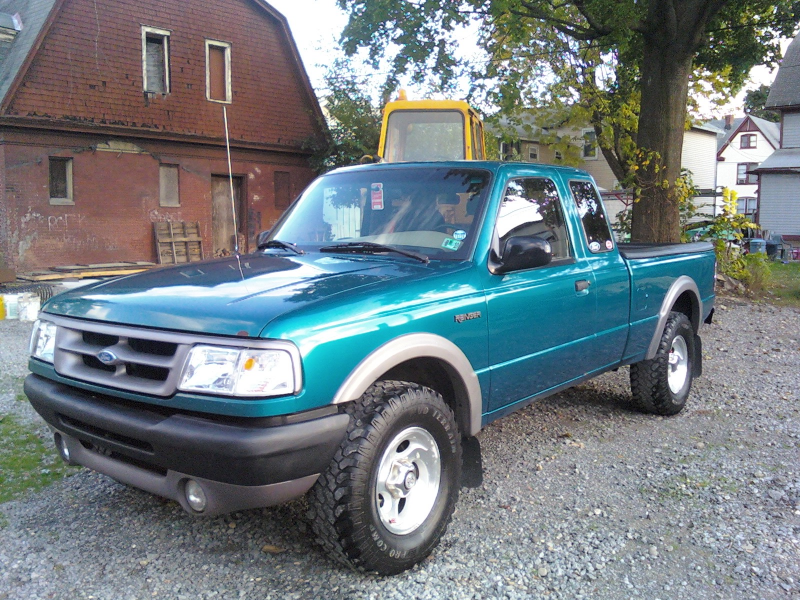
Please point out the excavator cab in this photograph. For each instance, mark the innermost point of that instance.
(430, 130)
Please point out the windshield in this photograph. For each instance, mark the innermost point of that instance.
(431, 210)
(419, 135)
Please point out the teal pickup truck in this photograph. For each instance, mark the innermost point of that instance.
(391, 313)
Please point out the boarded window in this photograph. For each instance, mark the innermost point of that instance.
(60, 181)
(168, 186)
(218, 71)
(155, 60)
(282, 192)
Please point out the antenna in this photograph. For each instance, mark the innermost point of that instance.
(230, 180)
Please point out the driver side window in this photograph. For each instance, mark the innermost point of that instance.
(531, 207)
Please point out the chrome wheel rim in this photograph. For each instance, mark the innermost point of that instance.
(678, 365)
(409, 474)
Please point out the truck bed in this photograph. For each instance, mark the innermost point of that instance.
(641, 250)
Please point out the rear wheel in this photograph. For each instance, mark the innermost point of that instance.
(390, 491)
(661, 385)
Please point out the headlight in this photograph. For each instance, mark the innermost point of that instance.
(238, 372)
(43, 340)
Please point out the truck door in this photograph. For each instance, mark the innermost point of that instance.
(541, 321)
(610, 271)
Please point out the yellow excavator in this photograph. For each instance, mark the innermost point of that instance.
(430, 130)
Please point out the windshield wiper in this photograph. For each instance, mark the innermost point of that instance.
(281, 245)
(373, 248)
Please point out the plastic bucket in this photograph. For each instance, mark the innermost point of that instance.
(758, 245)
(12, 306)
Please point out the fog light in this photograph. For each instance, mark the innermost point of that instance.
(63, 449)
(195, 496)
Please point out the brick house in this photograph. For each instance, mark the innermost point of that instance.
(111, 119)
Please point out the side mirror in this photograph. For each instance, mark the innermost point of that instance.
(523, 252)
(262, 239)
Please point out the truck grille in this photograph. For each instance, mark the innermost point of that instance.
(125, 358)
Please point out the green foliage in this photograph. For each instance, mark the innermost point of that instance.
(353, 121)
(757, 275)
(578, 61)
(754, 101)
(26, 464)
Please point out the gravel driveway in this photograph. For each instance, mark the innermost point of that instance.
(581, 498)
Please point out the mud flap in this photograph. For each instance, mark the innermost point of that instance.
(697, 363)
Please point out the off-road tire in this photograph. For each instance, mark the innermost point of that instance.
(650, 378)
(344, 501)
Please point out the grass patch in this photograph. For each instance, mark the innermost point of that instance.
(785, 285)
(26, 463)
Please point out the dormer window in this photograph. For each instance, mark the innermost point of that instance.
(10, 25)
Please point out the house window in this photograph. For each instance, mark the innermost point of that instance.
(743, 175)
(589, 144)
(169, 193)
(533, 153)
(218, 71)
(558, 155)
(747, 140)
(61, 181)
(509, 150)
(282, 190)
(155, 60)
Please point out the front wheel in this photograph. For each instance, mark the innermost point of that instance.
(389, 493)
(661, 385)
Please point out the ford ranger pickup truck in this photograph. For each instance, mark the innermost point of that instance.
(392, 312)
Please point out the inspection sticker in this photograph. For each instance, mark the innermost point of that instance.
(377, 196)
(451, 244)
(460, 234)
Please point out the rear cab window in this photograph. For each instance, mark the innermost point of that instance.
(593, 216)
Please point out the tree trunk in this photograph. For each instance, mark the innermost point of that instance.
(665, 91)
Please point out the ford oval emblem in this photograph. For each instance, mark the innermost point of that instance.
(107, 357)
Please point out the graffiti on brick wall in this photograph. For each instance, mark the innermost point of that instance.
(65, 222)
(158, 217)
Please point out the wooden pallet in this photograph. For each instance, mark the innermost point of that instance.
(87, 271)
(178, 242)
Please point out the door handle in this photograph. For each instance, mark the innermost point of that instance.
(582, 285)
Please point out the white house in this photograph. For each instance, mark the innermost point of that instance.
(742, 145)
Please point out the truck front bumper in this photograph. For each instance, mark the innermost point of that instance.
(239, 463)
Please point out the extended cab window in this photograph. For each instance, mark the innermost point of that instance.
(531, 207)
(593, 216)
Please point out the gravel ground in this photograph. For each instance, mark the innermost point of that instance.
(581, 498)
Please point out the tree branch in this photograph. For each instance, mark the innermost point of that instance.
(561, 25)
(599, 28)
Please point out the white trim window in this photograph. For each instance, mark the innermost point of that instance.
(155, 60)
(533, 153)
(590, 150)
(748, 140)
(218, 72)
(60, 180)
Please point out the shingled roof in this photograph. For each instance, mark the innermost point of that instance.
(785, 90)
(34, 14)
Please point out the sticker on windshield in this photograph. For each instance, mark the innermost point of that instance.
(460, 235)
(594, 246)
(377, 196)
(609, 244)
(451, 244)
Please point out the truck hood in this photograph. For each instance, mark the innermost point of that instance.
(239, 295)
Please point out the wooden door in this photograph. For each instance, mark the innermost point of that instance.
(222, 221)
